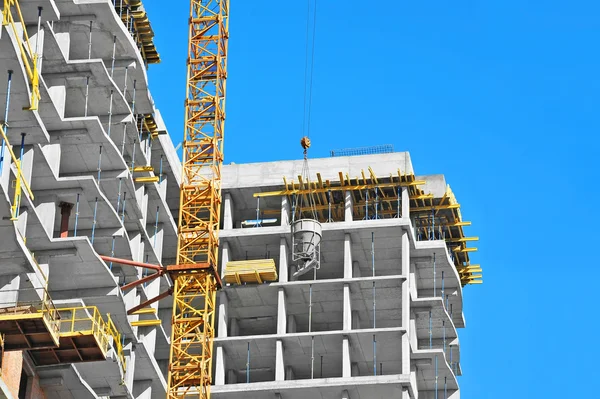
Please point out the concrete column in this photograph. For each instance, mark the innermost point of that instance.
(346, 361)
(283, 261)
(157, 243)
(285, 211)
(345, 395)
(220, 366)
(348, 206)
(347, 256)
(406, 303)
(279, 362)
(227, 212)
(405, 203)
(130, 360)
(224, 258)
(405, 393)
(222, 314)
(347, 324)
(281, 311)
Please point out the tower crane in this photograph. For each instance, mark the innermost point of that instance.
(195, 276)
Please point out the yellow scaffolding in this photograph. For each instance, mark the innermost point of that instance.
(434, 217)
(27, 55)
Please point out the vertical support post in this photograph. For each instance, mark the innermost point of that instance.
(112, 252)
(90, 43)
(248, 365)
(367, 204)
(430, 332)
(133, 156)
(124, 203)
(124, 138)
(160, 170)
(434, 275)
(133, 99)
(432, 223)
(436, 377)
(125, 84)
(6, 107)
(312, 357)
(119, 195)
(99, 164)
(398, 205)
(110, 107)
(94, 222)
(76, 216)
(257, 224)
(329, 206)
(442, 285)
(405, 254)
(87, 95)
(112, 65)
(376, 203)
(65, 213)
(445, 388)
(444, 336)
(37, 38)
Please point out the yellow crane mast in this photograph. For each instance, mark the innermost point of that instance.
(195, 276)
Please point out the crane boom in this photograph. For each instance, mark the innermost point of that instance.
(195, 276)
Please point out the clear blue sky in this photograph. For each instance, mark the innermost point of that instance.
(502, 98)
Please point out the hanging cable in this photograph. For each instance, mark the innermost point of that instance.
(309, 64)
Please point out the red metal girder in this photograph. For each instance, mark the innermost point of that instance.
(142, 280)
(128, 262)
(150, 301)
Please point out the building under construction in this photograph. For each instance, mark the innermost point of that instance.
(339, 277)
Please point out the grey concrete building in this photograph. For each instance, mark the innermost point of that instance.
(379, 321)
(97, 166)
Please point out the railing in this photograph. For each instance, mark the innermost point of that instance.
(85, 320)
(30, 60)
(88, 320)
(43, 306)
(111, 329)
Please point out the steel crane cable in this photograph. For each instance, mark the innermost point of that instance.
(308, 70)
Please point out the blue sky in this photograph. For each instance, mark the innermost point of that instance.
(501, 97)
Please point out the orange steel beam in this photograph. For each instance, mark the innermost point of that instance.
(128, 262)
(195, 277)
(150, 301)
(141, 281)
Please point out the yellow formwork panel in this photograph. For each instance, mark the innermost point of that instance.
(255, 271)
